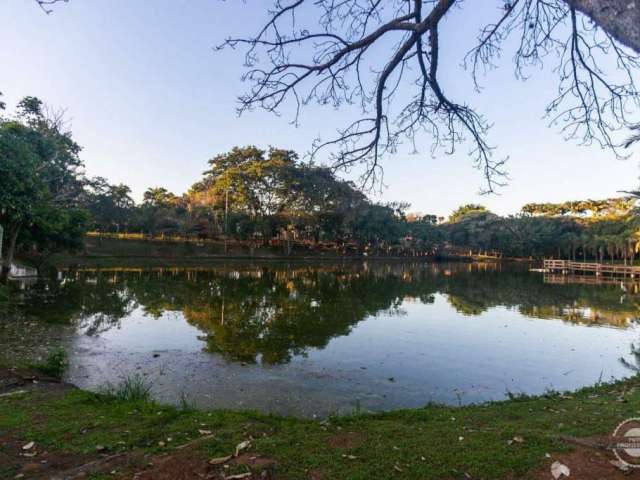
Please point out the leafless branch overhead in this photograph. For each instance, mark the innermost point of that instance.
(383, 56)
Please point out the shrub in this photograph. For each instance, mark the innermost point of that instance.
(54, 365)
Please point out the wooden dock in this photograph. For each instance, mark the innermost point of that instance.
(597, 269)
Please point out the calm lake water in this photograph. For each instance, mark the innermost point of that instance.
(321, 338)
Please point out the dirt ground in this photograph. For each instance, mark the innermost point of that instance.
(587, 464)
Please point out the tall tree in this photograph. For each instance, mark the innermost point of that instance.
(41, 180)
(158, 197)
(249, 179)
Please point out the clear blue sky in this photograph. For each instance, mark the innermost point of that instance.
(150, 102)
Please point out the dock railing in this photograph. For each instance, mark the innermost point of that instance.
(568, 266)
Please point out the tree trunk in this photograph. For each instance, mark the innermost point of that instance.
(12, 237)
(619, 18)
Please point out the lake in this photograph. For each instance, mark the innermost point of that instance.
(321, 338)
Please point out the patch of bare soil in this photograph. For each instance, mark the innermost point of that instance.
(193, 465)
(586, 464)
(255, 461)
(345, 441)
(317, 474)
(34, 463)
(13, 381)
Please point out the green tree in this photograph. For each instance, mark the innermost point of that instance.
(463, 210)
(159, 197)
(111, 206)
(41, 180)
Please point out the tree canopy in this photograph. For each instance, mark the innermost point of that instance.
(463, 210)
(41, 181)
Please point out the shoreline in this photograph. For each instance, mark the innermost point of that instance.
(104, 436)
(107, 249)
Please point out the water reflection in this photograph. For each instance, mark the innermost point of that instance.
(306, 315)
(277, 311)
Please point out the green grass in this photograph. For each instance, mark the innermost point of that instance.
(428, 443)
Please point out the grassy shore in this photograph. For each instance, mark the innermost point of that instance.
(129, 433)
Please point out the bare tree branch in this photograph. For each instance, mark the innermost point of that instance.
(635, 138)
(334, 59)
(46, 5)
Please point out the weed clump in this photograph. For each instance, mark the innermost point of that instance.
(133, 388)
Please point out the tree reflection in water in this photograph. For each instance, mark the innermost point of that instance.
(271, 312)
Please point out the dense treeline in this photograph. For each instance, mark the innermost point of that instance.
(272, 197)
(250, 194)
(269, 197)
(610, 236)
